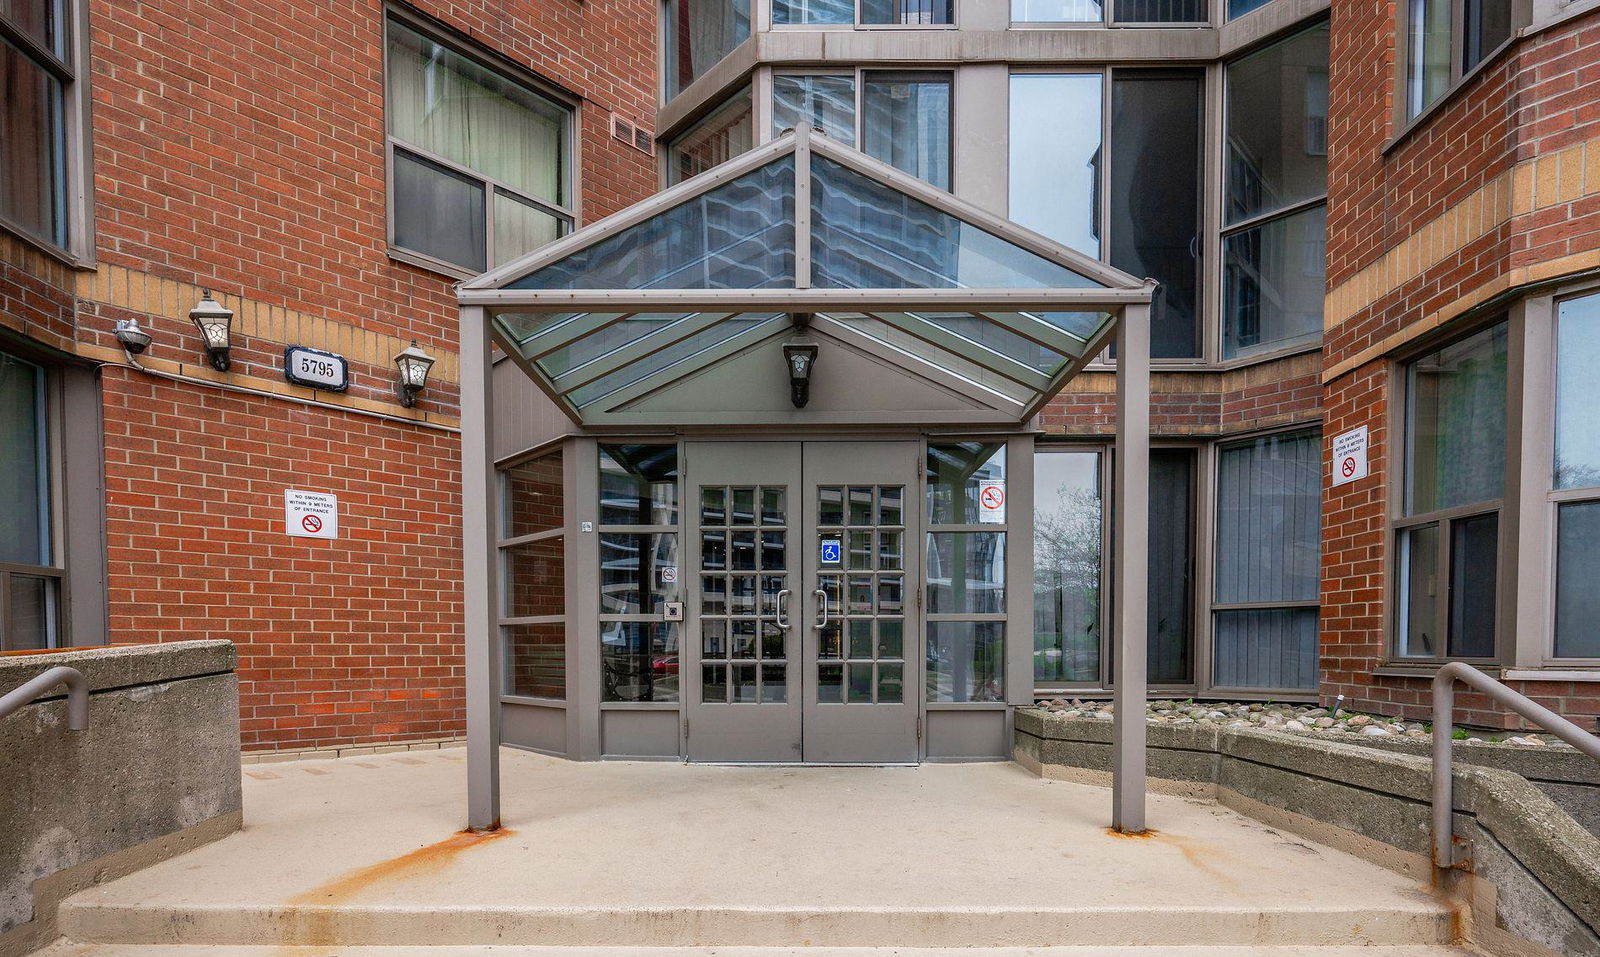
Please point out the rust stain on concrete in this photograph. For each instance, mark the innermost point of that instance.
(424, 860)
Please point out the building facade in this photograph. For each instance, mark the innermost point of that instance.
(1371, 227)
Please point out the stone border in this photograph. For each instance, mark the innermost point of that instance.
(349, 751)
(1534, 880)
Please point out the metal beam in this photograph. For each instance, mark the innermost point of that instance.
(1039, 332)
(976, 353)
(479, 493)
(805, 300)
(690, 364)
(1131, 510)
(662, 337)
(558, 337)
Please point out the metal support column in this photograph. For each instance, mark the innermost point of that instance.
(480, 576)
(1131, 546)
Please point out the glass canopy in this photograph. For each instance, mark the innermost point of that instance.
(802, 234)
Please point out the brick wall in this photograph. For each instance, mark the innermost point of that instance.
(1490, 192)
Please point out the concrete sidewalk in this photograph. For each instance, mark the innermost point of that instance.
(367, 851)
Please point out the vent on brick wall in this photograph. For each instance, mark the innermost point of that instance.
(632, 134)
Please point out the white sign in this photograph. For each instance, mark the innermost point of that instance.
(669, 574)
(992, 503)
(315, 368)
(310, 514)
(1350, 456)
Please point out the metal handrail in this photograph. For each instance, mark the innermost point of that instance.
(1444, 691)
(77, 694)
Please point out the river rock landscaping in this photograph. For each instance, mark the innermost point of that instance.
(1289, 717)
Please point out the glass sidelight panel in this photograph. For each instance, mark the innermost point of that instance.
(1577, 570)
(1068, 547)
(966, 661)
(1171, 622)
(966, 573)
(745, 596)
(860, 573)
(639, 661)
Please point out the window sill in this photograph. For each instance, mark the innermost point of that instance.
(1427, 669)
(66, 258)
(431, 265)
(1449, 96)
(1223, 365)
(1566, 673)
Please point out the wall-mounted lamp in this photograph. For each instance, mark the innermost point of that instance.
(413, 364)
(801, 358)
(133, 339)
(214, 322)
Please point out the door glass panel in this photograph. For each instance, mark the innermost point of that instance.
(744, 586)
(861, 649)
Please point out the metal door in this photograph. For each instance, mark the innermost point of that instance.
(742, 686)
(862, 635)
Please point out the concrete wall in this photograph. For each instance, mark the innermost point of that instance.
(1533, 884)
(155, 774)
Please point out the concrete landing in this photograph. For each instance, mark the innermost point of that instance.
(131, 950)
(619, 855)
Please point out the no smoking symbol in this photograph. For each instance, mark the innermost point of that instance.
(311, 523)
(1349, 466)
(992, 498)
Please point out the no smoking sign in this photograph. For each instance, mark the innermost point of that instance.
(1350, 456)
(310, 514)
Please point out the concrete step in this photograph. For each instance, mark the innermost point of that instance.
(1417, 920)
(162, 950)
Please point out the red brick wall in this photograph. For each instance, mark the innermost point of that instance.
(1272, 394)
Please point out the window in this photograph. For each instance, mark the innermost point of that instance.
(533, 629)
(902, 119)
(1068, 564)
(30, 579)
(699, 34)
(1264, 613)
(1238, 8)
(966, 574)
(1171, 543)
(1160, 11)
(723, 134)
(903, 13)
(1576, 479)
(1275, 196)
(1431, 68)
(1123, 11)
(638, 572)
(1055, 157)
(37, 96)
(1447, 539)
(480, 163)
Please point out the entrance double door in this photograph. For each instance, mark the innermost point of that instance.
(803, 630)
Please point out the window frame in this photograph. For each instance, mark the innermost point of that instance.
(1104, 453)
(76, 246)
(1108, 19)
(1404, 119)
(504, 544)
(1555, 498)
(590, 461)
(567, 214)
(1446, 518)
(856, 22)
(50, 391)
(765, 92)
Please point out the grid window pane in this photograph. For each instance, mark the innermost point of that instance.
(1273, 283)
(536, 660)
(24, 487)
(638, 573)
(1269, 503)
(1161, 11)
(1577, 571)
(1577, 459)
(1474, 547)
(438, 212)
(813, 11)
(639, 661)
(1269, 648)
(966, 573)
(699, 34)
(532, 496)
(957, 473)
(33, 176)
(1419, 592)
(727, 132)
(1055, 157)
(1056, 11)
(1456, 424)
(33, 606)
(1068, 533)
(533, 578)
(1277, 125)
(906, 12)
(966, 661)
(906, 123)
(638, 485)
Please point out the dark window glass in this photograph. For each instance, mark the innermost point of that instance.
(1274, 282)
(1155, 197)
(638, 661)
(1456, 424)
(906, 12)
(31, 624)
(1487, 25)
(905, 122)
(1171, 637)
(1577, 572)
(638, 572)
(33, 176)
(700, 33)
(1419, 591)
(24, 468)
(1067, 548)
(1238, 8)
(1277, 126)
(1269, 507)
(1272, 648)
(39, 20)
(1161, 11)
(439, 212)
(1474, 549)
(638, 485)
(1427, 53)
(813, 11)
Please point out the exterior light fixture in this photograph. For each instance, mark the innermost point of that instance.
(413, 364)
(801, 358)
(134, 340)
(214, 322)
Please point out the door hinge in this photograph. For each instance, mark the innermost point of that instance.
(919, 727)
(919, 598)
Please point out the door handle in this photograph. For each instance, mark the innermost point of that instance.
(782, 609)
(822, 609)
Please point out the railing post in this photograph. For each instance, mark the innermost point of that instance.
(1444, 691)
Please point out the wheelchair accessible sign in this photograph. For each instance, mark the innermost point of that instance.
(831, 551)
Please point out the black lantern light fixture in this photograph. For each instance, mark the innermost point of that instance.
(801, 358)
(413, 364)
(215, 324)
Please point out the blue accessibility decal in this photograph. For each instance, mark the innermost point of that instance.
(831, 552)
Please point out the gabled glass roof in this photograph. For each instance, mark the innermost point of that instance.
(802, 233)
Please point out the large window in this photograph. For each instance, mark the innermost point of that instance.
(480, 163)
(903, 13)
(1068, 563)
(1274, 242)
(900, 118)
(1576, 479)
(1453, 478)
(1445, 40)
(699, 34)
(638, 572)
(30, 579)
(724, 133)
(966, 573)
(1171, 543)
(1264, 611)
(37, 73)
(1151, 209)
(533, 601)
(1142, 12)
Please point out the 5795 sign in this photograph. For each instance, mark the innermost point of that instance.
(316, 369)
